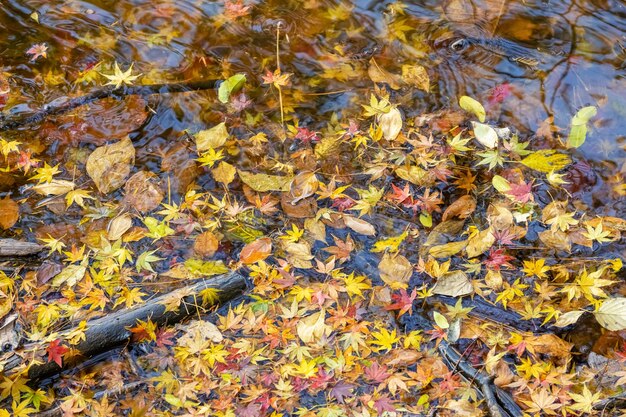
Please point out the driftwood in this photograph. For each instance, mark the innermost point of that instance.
(21, 120)
(110, 331)
(12, 247)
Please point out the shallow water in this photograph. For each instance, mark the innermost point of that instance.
(577, 51)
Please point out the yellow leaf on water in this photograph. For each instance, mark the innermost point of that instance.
(417, 76)
(546, 160)
(212, 138)
(472, 106)
(265, 182)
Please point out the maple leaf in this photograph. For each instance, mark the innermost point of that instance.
(399, 195)
(383, 404)
(118, 78)
(431, 202)
(504, 236)
(26, 161)
(340, 391)
(56, 351)
(377, 373)
(497, 259)
(45, 173)
(521, 192)
(144, 331)
(306, 136)
(597, 233)
(38, 50)
(341, 249)
(584, 402)
(384, 339)
(276, 78)
(536, 267)
(403, 302)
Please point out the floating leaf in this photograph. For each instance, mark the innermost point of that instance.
(390, 123)
(256, 251)
(70, 276)
(143, 192)
(118, 226)
(480, 243)
(109, 165)
(453, 284)
(9, 213)
(313, 328)
(224, 173)
(578, 127)
(546, 160)
(612, 314)
(54, 187)
(303, 185)
(229, 86)
(265, 182)
(472, 106)
(379, 75)
(441, 320)
(395, 271)
(212, 138)
(485, 134)
(568, 318)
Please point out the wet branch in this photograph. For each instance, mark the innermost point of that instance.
(51, 109)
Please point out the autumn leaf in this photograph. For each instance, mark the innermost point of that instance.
(118, 77)
(56, 351)
(9, 213)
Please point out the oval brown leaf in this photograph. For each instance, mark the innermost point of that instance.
(256, 251)
(9, 212)
(206, 244)
(109, 165)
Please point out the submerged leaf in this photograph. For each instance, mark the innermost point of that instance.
(229, 86)
(265, 182)
(578, 129)
(109, 165)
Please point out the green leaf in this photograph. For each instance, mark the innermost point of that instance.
(157, 229)
(229, 86)
(578, 128)
(500, 184)
(472, 106)
(440, 320)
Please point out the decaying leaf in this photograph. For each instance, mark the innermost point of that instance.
(390, 123)
(480, 243)
(313, 327)
(224, 173)
(118, 226)
(143, 192)
(109, 165)
(417, 76)
(206, 244)
(379, 75)
(453, 284)
(265, 182)
(303, 185)
(256, 251)
(9, 212)
(460, 209)
(395, 270)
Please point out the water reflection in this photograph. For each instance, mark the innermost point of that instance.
(551, 57)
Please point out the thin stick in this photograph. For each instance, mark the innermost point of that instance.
(280, 91)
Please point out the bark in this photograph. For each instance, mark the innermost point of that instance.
(110, 331)
(12, 247)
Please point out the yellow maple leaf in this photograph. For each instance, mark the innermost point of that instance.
(118, 78)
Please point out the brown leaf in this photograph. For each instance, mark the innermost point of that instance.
(9, 212)
(256, 251)
(395, 271)
(109, 165)
(417, 76)
(304, 185)
(224, 173)
(460, 209)
(143, 192)
(118, 226)
(303, 209)
(206, 244)
(379, 75)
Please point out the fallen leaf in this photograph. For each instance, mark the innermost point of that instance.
(109, 165)
(256, 251)
(312, 328)
(9, 212)
(417, 76)
(206, 244)
(485, 134)
(390, 123)
(379, 75)
(224, 173)
(395, 271)
(143, 192)
(265, 182)
(212, 138)
(118, 226)
(472, 106)
(460, 209)
(453, 284)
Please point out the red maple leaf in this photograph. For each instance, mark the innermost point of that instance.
(321, 379)
(504, 236)
(38, 50)
(399, 195)
(306, 136)
(497, 259)
(376, 373)
(340, 391)
(56, 351)
(521, 192)
(384, 404)
(499, 93)
(343, 203)
(403, 302)
(164, 338)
